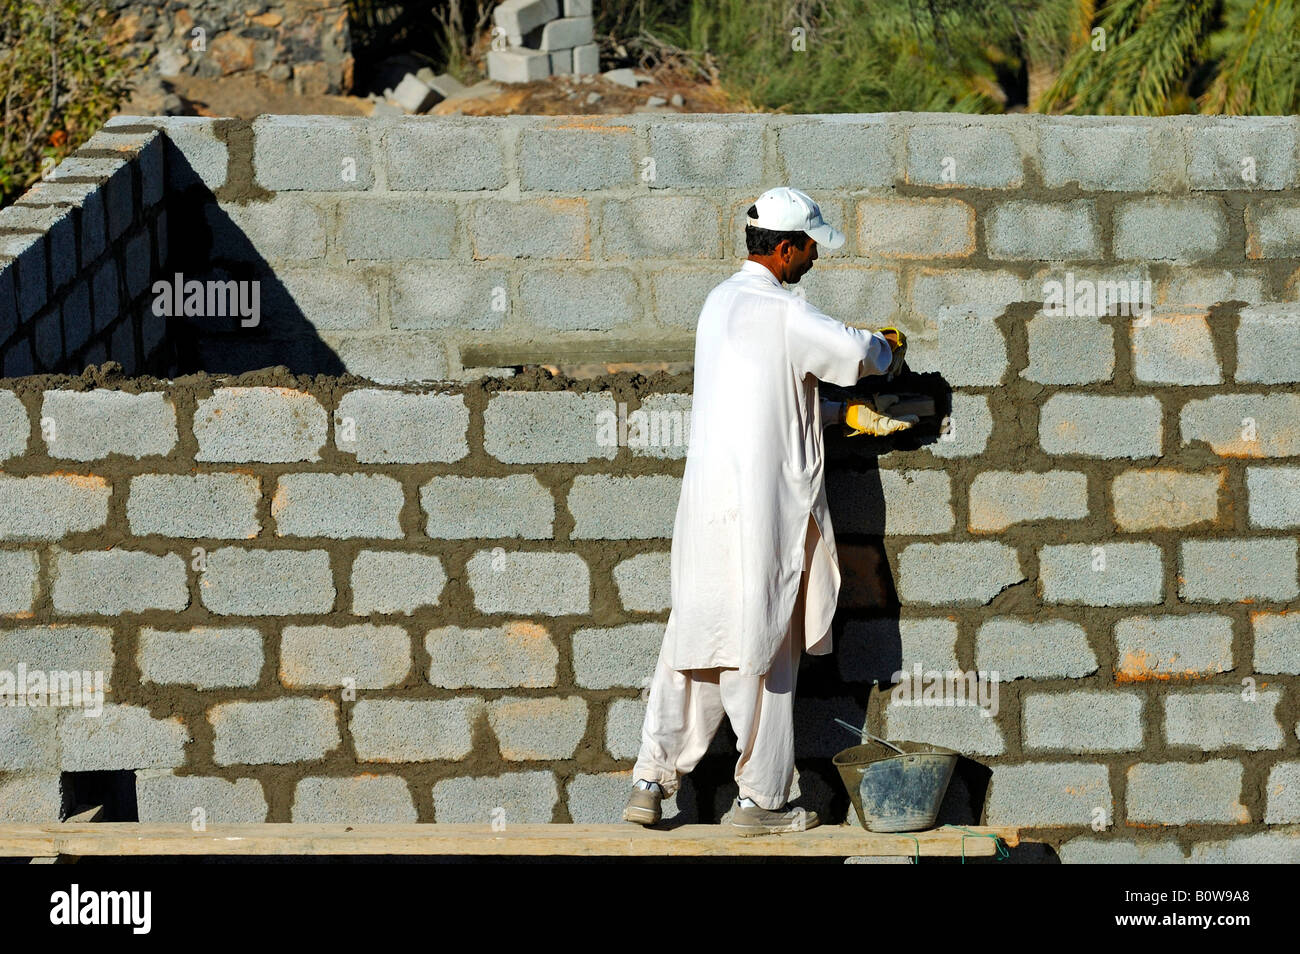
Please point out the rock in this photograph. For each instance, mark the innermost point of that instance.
(385, 108)
(623, 77)
(655, 101)
(677, 100)
(171, 62)
(593, 99)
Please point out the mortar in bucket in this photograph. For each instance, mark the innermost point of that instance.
(895, 787)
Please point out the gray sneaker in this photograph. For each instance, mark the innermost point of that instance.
(764, 821)
(643, 806)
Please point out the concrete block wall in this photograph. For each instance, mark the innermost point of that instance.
(388, 600)
(78, 253)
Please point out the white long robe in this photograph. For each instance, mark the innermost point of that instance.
(754, 474)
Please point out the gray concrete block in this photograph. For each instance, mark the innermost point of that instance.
(838, 152)
(915, 228)
(854, 292)
(1164, 647)
(1202, 287)
(1220, 571)
(401, 357)
(596, 154)
(1162, 498)
(1283, 789)
(959, 574)
(643, 582)
(18, 581)
(1268, 344)
(965, 431)
(1067, 349)
(413, 730)
(82, 656)
(90, 425)
(206, 657)
(704, 153)
(28, 737)
(1237, 153)
(76, 313)
(619, 656)
(964, 728)
(1173, 230)
(271, 425)
(1109, 574)
(1174, 793)
(15, 427)
(361, 799)
(524, 798)
(564, 33)
(1043, 231)
(1083, 722)
(389, 583)
(59, 225)
(163, 797)
(623, 727)
(514, 655)
(1244, 425)
(360, 655)
(338, 506)
(87, 202)
(534, 730)
(105, 299)
(1047, 649)
(31, 798)
(679, 293)
(966, 347)
(443, 154)
(586, 59)
(48, 507)
(1095, 426)
(1272, 847)
(273, 732)
(1093, 851)
(240, 582)
(396, 227)
(113, 581)
(579, 300)
(561, 62)
(965, 154)
(1272, 228)
(1099, 156)
(391, 427)
(31, 281)
(313, 153)
(529, 583)
(599, 799)
(908, 502)
(523, 16)
(115, 183)
(1000, 499)
(474, 297)
(1212, 719)
(283, 228)
(667, 227)
(606, 507)
(534, 228)
(1277, 642)
(1049, 794)
(521, 427)
(1174, 348)
(462, 508)
(884, 650)
(121, 737)
(194, 506)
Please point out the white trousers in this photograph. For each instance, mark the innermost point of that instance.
(686, 707)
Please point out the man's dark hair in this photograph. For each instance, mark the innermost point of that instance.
(764, 241)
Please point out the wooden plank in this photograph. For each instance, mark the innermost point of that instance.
(125, 839)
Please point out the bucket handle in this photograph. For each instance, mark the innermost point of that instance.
(864, 734)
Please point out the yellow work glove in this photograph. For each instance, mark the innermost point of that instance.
(898, 342)
(867, 418)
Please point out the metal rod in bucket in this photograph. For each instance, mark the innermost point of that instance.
(864, 734)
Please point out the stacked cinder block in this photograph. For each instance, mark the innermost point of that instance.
(542, 42)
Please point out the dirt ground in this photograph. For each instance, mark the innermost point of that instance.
(249, 96)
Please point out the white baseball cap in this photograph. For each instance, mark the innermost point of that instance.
(784, 209)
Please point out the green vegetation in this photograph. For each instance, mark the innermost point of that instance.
(59, 82)
(1158, 56)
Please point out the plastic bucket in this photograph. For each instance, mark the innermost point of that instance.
(893, 792)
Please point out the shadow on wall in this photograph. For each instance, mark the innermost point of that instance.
(229, 311)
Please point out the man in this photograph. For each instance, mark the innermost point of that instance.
(754, 571)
